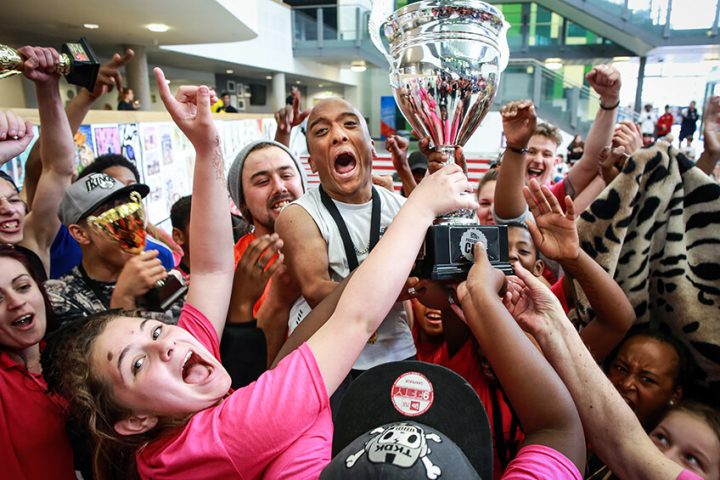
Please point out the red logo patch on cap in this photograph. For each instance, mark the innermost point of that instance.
(412, 394)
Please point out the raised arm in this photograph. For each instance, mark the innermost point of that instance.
(711, 136)
(365, 303)
(605, 80)
(211, 252)
(15, 135)
(555, 235)
(398, 148)
(57, 151)
(305, 253)
(519, 121)
(610, 426)
(549, 419)
(289, 117)
(108, 78)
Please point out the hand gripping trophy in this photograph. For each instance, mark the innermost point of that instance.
(446, 57)
(77, 63)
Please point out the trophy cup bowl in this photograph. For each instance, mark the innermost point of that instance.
(77, 63)
(123, 225)
(446, 57)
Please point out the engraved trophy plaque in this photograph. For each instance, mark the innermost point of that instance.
(78, 63)
(446, 57)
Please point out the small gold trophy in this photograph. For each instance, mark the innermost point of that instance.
(78, 63)
(124, 224)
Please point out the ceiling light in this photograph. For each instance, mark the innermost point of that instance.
(358, 66)
(553, 63)
(268, 77)
(91, 26)
(320, 85)
(297, 81)
(621, 59)
(229, 71)
(157, 27)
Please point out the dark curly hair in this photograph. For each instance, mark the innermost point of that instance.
(109, 160)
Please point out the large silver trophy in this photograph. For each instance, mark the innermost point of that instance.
(445, 59)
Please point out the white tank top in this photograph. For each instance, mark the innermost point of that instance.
(393, 340)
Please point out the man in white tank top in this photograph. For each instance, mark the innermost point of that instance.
(316, 251)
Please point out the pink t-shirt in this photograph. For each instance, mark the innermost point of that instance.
(540, 461)
(277, 427)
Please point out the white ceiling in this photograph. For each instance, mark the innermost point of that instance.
(52, 23)
(121, 22)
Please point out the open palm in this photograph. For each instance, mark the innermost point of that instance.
(553, 232)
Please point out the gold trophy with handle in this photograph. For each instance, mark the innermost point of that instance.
(78, 63)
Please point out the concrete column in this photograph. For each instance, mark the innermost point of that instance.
(138, 78)
(640, 82)
(278, 91)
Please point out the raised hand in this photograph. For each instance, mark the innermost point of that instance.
(109, 75)
(39, 64)
(605, 80)
(190, 110)
(533, 305)
(711, 127)
(398, 148)
(290, 116)
(519, 121)
(553, 232)
(15, 135)
(627, 135)
(611, 163)
(484, 282)
(253, 272)
(442, 192)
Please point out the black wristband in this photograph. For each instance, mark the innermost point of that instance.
(610, 108)
(519, 151)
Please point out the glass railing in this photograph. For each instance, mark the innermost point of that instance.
(330, 22)
(570, 106)
(685, 17)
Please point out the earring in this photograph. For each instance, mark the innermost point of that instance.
(671, 403)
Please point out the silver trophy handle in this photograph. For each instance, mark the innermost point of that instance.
(381, 10)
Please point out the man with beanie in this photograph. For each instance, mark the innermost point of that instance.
(264, 178)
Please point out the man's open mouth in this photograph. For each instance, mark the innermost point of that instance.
(345, 163)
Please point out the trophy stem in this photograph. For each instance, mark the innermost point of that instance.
(457, 217)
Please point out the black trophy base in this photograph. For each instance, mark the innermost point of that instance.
(447, 253)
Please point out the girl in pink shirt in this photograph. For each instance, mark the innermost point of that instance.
(157, 394)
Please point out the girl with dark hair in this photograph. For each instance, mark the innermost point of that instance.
(652, 370)
(33, 442)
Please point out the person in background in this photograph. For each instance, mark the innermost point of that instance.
(575, 149)
(127, 100)
(648, 119)
(688, 150)
(226, 106)
(665, 122)
(688, 122)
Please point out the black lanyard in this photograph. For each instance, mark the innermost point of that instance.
(345, 235)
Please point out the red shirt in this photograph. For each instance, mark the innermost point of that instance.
(239, 250)
(468, 364)
(559, 292)
(664, 124)
(33, 442)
